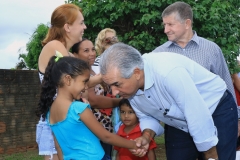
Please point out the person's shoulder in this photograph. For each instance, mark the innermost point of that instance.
(53, 46)
(207, 41)
(78, 107)
(164, 47)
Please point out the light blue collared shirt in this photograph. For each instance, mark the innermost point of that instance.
(180, 93)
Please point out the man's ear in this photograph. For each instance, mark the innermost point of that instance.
(66, 27)
(137, 73)
(67, 80)
(188, 23)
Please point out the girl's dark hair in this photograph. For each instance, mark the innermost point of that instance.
(52, 79)
(124, 102)
(75, 47)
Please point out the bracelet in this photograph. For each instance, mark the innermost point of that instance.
(149, 136)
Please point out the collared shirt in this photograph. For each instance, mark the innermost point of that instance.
(206, 53)
(180, 93)
(124, 153)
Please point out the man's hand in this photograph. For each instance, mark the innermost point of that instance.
(143, 145)
(211, 153)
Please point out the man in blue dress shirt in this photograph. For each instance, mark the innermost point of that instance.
(178, 21)
(171, 88)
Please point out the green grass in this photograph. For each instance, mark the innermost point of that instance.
(33, 154)
(159, 140)
(28, 155)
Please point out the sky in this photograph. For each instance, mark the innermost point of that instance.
(18, 20)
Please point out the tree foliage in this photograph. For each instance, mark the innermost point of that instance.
(138, 22)
(34, 46)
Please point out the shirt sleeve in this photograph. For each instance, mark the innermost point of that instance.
(148, 122)
(116, 148)
(77, 108)
(152, 145)
(219, 67)
(181, 87)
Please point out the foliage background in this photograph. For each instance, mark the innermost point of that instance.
(138, 23)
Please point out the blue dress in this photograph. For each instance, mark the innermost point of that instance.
(74, 137)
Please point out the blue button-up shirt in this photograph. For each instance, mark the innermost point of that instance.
(179, 92)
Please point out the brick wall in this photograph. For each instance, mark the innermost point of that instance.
(19, 93)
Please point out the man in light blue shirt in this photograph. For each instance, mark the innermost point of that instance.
(171, 88)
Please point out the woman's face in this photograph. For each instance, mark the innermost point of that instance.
(108, 38)
(75, 31)
(87, 52)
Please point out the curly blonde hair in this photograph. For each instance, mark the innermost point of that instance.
(99, 42)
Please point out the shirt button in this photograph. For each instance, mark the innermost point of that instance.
(148, 96)
(160, 108)
(170, 119)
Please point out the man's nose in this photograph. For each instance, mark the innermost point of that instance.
(115, 91)
(166, 29)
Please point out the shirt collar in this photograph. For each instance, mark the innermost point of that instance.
(195, 39)
(122, 133)
(148, 82)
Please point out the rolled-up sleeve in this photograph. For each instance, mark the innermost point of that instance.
(197, 114)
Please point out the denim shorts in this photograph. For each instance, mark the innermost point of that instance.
(44, 138)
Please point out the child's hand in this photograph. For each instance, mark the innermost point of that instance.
(141, 147)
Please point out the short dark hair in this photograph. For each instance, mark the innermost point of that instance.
(182, 9)
(124, 102)
(75, 47)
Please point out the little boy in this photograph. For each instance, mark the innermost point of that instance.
(130, 130)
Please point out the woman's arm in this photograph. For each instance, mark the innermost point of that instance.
(91, 122)
(94, 80)
(100, 101)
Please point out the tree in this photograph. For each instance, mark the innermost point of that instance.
(34, 46)
(21, 65)
(138, 22)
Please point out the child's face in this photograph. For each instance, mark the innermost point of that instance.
(79, 84)
(128, 116)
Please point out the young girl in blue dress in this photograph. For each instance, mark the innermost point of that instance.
(73, 124)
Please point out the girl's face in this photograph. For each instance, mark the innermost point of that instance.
(128, 116)
(76, 30)
(79, 84)
(87, 52)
